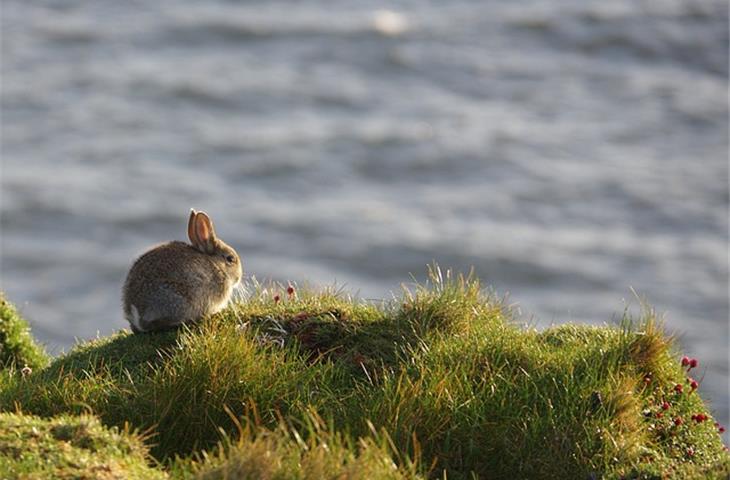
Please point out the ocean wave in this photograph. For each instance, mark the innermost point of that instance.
(256, 23)
(693, 34)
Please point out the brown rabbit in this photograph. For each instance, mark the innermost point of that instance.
(175, 282)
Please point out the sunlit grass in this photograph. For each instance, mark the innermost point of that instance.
(69, 447)
(437, 382)
(17, 348)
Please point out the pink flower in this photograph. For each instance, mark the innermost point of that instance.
(690, 452)
(685, 361)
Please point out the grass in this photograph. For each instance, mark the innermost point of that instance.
(438, 383)
(70, 447)
(17, 348)
(315, 452)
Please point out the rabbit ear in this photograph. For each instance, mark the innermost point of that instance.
(191, 227)
(204, 233)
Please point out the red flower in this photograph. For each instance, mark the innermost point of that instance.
(277, 298)
(693, 363)
(290, 290)
(678, 421)
(659, 415)
(721, 429)
(665, 406)
(678, 388)
(699, 418)
(685, 361)
(694, 384)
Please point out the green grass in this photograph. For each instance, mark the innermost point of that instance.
(314, 452)
(17, 347)
(438, 383)
(70, 447)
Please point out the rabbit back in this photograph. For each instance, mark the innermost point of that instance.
(171, 284)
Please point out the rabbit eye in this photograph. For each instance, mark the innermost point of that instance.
(230, 258)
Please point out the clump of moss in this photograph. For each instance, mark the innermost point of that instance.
(17, 347)
(70, 447)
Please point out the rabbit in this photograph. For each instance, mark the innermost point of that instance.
(176, 282)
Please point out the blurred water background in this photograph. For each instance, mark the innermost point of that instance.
(568, 150)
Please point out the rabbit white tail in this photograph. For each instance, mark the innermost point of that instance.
(133, 319)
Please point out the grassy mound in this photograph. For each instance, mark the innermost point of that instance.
(17, 347)
(69, 447)
(438, 383)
